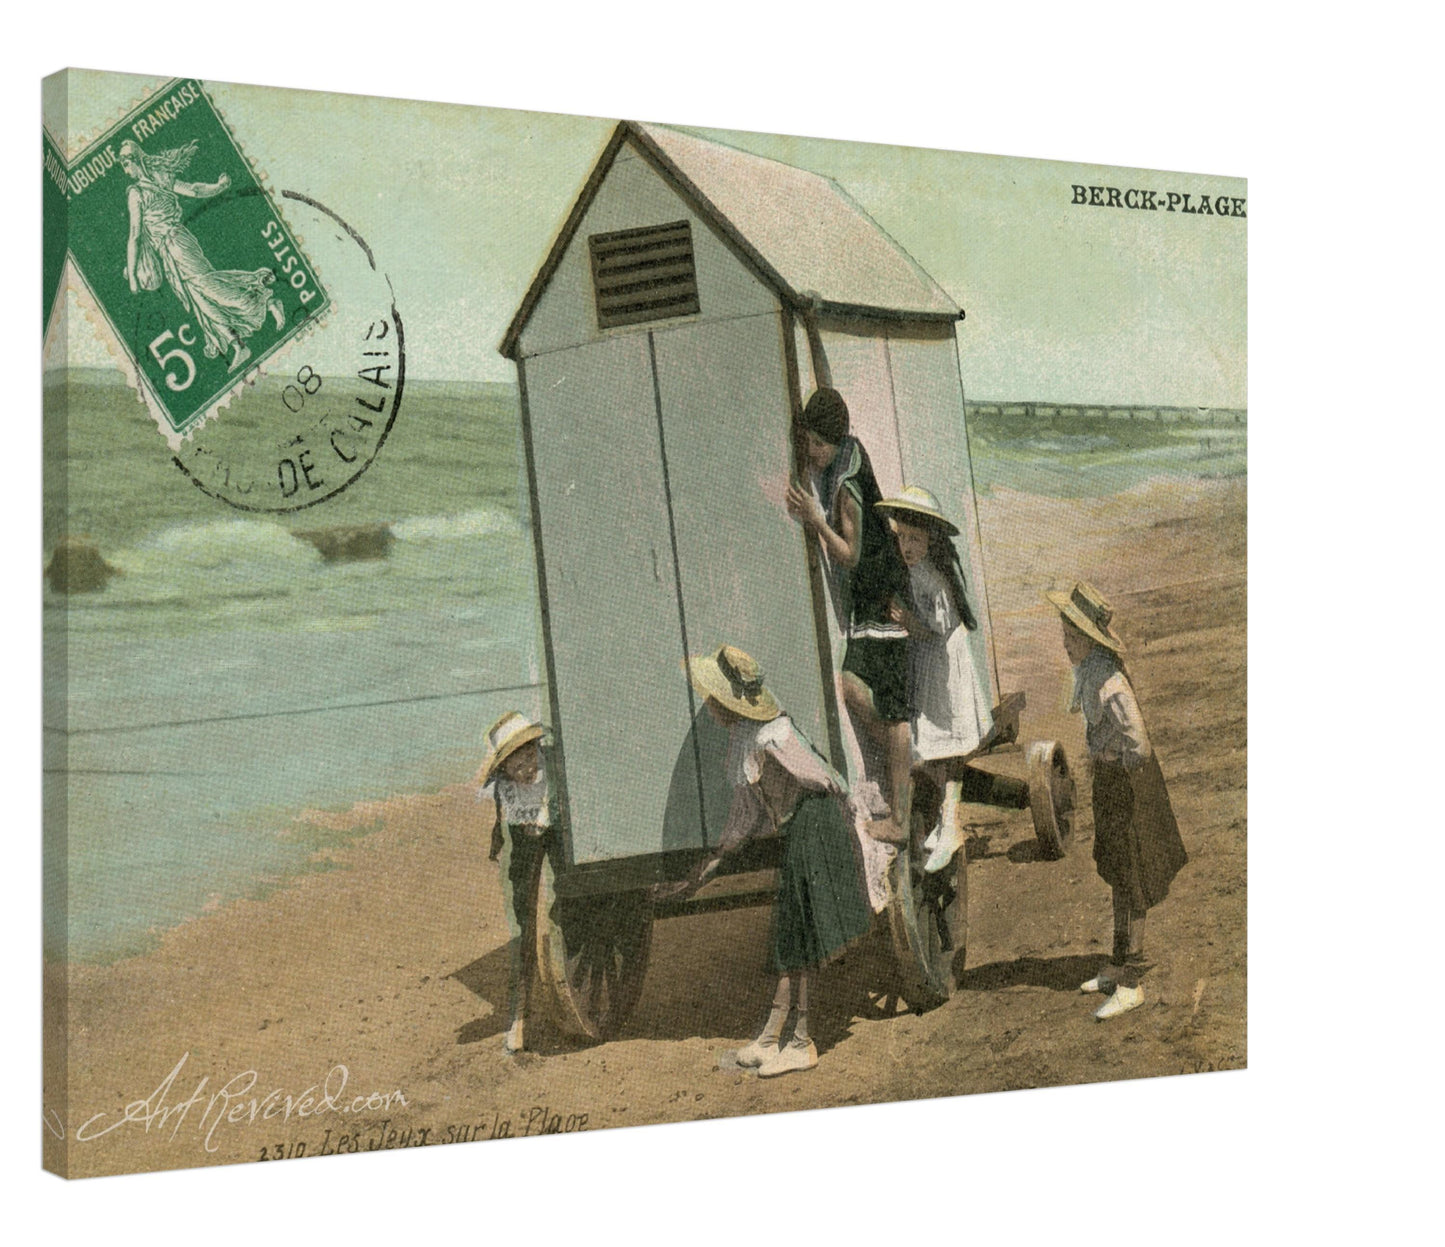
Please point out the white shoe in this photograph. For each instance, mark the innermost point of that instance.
(795, 1056)
(514, 1043)
(1101, 982)
(759, 1052)
(932, 838)
(950, 842)
(1123, 999)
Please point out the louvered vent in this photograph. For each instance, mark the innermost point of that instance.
(644, 274)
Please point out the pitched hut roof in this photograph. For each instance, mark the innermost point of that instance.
(799, 231)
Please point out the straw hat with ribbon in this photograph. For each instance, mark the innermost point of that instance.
(1085, 608)
(734, 680)
(504, 738)
(919, 502)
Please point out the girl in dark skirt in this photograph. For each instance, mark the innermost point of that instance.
(781, 784)
(1137, 848)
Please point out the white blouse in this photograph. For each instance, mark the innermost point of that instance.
(1114, 725)
(521, 805)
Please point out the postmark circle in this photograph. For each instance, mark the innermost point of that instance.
(311, 425)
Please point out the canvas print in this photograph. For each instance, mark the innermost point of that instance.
(556, 623)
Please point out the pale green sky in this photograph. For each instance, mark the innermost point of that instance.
(459, 205)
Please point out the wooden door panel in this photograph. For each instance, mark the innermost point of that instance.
(743, 563)
(610, 592)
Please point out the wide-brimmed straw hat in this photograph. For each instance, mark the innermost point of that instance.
(1085, 608)
(504, 738)
(734, 680)
(919, 501)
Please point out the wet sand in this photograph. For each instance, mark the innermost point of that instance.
(394, 965)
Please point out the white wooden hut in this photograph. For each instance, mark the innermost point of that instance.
(661, 357)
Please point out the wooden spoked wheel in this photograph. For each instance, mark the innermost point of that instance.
(591, 956)
(1051, 797)
(927, 913)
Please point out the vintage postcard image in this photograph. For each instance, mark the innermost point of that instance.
(555, 623)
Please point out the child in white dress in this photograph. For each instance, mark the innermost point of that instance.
(951, 709)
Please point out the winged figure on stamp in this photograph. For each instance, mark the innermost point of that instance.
(229, 304)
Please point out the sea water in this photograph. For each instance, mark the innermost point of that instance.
(230, 679)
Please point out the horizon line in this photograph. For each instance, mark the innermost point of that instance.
(117, 377)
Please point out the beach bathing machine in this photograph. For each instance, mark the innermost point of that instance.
(692, 299)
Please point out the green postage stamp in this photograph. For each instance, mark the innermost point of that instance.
(183, 250)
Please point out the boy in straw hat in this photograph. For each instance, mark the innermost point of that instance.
(1137, 848)
(513, 776)
(780, 783)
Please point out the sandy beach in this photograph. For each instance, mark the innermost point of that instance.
(297, 1019)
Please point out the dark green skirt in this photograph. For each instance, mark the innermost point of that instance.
(822, 901)
(1137, 847)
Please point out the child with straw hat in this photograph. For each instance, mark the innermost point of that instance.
(780, 783)
(514, 777)
(951, 709)
(1137, 849)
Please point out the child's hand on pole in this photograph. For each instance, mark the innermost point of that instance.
(803, 507)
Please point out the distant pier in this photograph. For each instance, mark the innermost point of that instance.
(1210, 417)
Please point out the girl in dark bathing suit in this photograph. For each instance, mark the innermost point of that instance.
(856, 539)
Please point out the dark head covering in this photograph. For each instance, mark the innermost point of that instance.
(826, 415)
